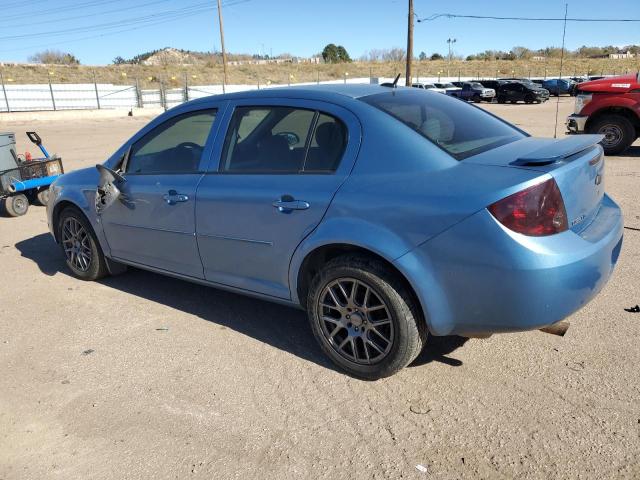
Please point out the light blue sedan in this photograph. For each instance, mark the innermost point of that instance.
(387, 213)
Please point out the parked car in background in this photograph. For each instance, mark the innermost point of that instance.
(427, 86)
(495, 84)
(521, 92)
(386, 213)
(610, 107)
(559, 86)
(475, 92)
(579, 79)
(458, 84)
(447, 87)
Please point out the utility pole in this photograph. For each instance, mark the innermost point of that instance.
(224, 53)
(408, 80)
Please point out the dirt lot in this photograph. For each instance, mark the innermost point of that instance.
(142, 376)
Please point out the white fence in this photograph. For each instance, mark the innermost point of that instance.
(84, 96)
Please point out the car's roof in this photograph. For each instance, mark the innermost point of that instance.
(311, 91)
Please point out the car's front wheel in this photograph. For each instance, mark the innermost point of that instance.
(364, 317)
(80, 246)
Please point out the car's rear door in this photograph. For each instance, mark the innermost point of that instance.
(271, 181)
(153, 221)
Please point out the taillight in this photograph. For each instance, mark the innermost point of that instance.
(536, 211)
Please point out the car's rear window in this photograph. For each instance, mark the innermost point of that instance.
(458, 128)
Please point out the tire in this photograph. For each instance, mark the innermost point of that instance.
(16, 205)
(501, 99)
(86, 260)
(348, 333)
(476, 99)
(529, 98)
(618, 130)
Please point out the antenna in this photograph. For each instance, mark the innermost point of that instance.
(395, 82)
(564, 32)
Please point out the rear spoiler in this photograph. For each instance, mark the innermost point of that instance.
(558, 150)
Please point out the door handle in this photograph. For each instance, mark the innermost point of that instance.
(287, 204)
(174, 197)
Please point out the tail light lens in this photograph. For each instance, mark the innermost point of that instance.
(536, 211)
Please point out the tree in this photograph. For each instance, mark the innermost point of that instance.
(521, 52)
(437, 56)
(422, 57)
(343, 56)
(55, 57)
(119, 60)
(335, 54)
(395, 54)
(330, 54)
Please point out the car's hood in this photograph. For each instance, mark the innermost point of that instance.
(621, 84)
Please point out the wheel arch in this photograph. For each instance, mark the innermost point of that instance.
(321, 254)
(57, 211)
(625, 111)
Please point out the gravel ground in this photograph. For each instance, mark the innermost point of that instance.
(143, 376)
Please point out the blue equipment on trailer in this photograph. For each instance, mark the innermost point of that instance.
(25, 181)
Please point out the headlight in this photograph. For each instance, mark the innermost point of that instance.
(581, 101)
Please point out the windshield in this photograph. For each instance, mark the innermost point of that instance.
(476, 85)
(458, 128)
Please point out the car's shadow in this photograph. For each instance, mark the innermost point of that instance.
(633, 151)
(276, 325)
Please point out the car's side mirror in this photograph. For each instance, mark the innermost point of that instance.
(109, 188)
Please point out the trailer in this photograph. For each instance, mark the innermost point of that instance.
(25, 180)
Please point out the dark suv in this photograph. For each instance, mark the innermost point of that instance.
(495, 84)
(522, 92)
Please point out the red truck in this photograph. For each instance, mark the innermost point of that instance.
(610, 107)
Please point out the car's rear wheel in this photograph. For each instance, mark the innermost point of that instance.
(16, 205)
(619, 133)
(80, 246)
(502, 99)
(364, 317)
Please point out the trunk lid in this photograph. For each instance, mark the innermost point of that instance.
(576, 163)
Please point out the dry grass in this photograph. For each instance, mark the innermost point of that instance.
(175, 75)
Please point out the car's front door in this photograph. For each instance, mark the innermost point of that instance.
(279, 167)
(153, 221)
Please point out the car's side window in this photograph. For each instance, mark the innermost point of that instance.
(282, 140)
(327, 146)
(175, 146)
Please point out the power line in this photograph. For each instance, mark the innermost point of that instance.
(78, 17)
(53, 11)
(436, 16)
(22, 4)
(197, 8)
(124, 30)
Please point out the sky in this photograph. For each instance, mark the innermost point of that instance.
(96, 31)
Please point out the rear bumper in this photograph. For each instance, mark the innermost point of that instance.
(576, 123)
(479, 278)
